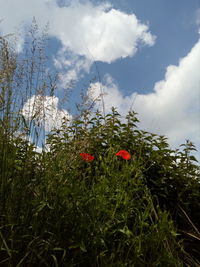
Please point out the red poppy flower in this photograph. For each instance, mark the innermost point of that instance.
(124, 154)
(87, 157)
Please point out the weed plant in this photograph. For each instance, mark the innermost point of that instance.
(58, 208)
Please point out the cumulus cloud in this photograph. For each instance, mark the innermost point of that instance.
(95, 32)
(44, 111)
(71, 66)
(112, 96)
(99, 32)
(172, 109)
(92, 33)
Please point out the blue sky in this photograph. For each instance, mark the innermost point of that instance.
(147, 53)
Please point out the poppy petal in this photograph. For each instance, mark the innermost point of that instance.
(86, 156)
(123, 154)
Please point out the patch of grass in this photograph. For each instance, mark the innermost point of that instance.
(57, 209)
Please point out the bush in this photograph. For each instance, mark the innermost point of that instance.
(58, 209)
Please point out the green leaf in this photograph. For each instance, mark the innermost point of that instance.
(193, 158)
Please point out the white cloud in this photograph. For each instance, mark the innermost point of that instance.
(70, 66)
(111, 95)
(172, 109)
(45, 111)
(19, 13)
(99, 32)
(95, 32)
(92, 33)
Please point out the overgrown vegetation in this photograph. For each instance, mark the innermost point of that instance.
(57, 209)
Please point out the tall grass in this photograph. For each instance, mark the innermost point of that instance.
(56, 209)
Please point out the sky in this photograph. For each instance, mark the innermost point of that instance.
(146, 54)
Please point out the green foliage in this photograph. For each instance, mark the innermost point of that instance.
(58, 210)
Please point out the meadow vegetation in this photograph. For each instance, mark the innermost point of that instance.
(58, 208)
